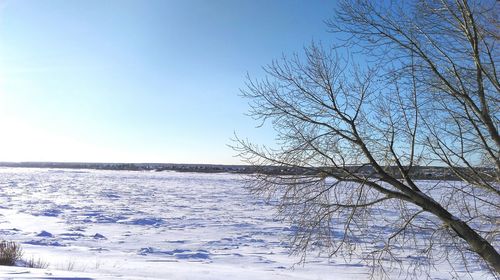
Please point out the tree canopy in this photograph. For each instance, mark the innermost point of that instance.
(408, 84)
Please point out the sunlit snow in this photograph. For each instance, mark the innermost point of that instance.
(143, 225)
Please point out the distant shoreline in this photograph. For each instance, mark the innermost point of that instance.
(419, 172)
(202, 168)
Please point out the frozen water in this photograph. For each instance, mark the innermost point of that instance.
(145, 225)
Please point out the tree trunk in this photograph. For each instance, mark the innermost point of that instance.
(477, 243)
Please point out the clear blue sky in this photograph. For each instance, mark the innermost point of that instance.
(140, 81)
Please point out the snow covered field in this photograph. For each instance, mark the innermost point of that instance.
(91, 224)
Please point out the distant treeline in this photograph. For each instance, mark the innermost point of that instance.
(419, 172)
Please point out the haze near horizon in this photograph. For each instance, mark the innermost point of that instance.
(140, 81)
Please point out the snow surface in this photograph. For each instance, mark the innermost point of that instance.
(90, 224)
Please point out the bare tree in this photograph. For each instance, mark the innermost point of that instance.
(427, 95)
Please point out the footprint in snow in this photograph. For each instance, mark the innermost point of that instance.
(44, 233)
(99, 236)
